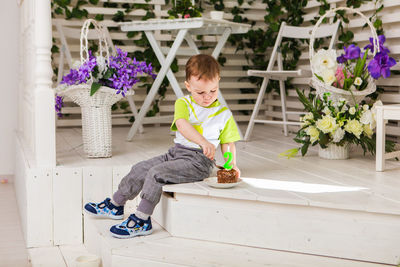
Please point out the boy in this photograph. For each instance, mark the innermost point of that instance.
(201, 123)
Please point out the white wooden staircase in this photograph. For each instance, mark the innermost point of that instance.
(162, 249)
(304, 211)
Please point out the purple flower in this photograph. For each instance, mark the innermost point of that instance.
(124, 71)
(352, 52)
(342, 59)
(382, 48)
(82, 74)
(380, 65)
(59, 104)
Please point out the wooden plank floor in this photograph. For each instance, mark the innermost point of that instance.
(351, 184)
(12, 244)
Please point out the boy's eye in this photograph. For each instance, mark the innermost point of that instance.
(213, 91)
(201, 93)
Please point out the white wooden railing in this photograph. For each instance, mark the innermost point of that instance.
(36, 98)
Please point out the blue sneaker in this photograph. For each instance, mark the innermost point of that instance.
(105, 209)
(131, 227)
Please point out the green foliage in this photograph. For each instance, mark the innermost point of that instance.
(184, 8)
(258, 40)
(94, 88)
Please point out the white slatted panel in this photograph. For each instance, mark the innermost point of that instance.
(232, 69)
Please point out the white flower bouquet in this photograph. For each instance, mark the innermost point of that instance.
(336, 122)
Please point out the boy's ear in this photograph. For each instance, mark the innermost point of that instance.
(187, 86)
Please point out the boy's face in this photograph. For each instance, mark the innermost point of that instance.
(204, 92)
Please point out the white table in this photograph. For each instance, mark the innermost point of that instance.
(185, 29)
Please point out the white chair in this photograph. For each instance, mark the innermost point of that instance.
(279, 74)
(71, 33)
(383, 113)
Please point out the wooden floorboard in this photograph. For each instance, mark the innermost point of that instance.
(347, 184)
(12, 244)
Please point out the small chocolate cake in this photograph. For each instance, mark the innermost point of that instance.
(227, 176)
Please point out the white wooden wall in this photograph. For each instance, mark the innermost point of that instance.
(9, 87)
(232, 69)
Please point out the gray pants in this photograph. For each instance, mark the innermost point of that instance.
(179, 165)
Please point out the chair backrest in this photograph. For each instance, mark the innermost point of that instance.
(295, 32)
(73, 33)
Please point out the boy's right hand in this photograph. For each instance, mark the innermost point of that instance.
(208, 150)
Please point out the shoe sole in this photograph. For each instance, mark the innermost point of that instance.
(114, 217)
(132, 235)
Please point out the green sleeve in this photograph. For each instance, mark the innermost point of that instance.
(181, 112)
(230, 133)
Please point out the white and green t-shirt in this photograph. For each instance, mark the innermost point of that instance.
(214, 122)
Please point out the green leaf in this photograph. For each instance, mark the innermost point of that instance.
(319, 77)
(378, 23)
(107, 74)
(290, 153)
(55, 49)
(131, 34)
(59, 11)
(94, 88)
(323, 139)
(360, 65)
(304, 149)
(94, 2)
(114, 107)
(99, 17)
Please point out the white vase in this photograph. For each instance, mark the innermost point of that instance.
(96, 117)
(219, 15)
(334, 152)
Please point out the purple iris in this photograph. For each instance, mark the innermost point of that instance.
(59, 104)
(342, 59)
(380, 65)
(382, 48)
(352, 52)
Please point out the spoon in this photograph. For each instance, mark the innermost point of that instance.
(218, 166)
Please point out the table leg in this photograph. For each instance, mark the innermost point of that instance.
(160, 56)
(191, 43)
(154, 88)
(221, 43)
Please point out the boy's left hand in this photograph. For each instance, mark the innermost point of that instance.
(237, 171)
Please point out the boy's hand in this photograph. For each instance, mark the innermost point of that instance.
(208, 149)
(237, 171)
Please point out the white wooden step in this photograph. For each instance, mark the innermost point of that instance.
(161, 249)
(57, 256)
(276, 219)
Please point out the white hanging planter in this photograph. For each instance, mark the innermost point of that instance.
(334, 152)
(96, 117)
(96, 109)
(336, 94)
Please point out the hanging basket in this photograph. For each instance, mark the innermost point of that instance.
(334, 152)
(96, 109)
(96, 117)
(353, 97)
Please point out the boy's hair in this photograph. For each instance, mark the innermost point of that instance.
(203, 66)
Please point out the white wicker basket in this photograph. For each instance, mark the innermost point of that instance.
(353, 97)
(96, 109)
(334, 152)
